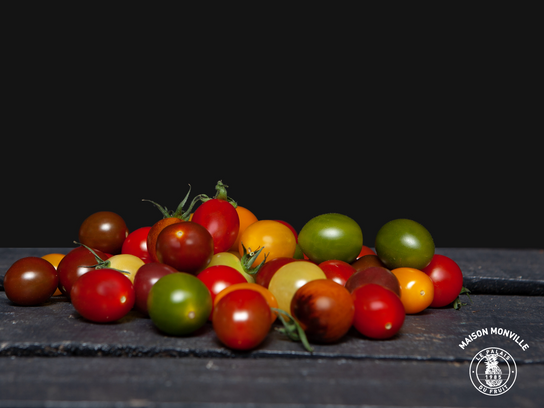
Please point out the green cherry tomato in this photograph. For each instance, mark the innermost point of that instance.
(331, 236)
(404, 243)
(179, 303)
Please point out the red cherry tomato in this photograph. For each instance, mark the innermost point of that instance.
(154, 232)
(76, 263)
(185, 246)
(338, 271)
(30, 281)
(379, 312)
(103, 295)
(218, 277)
(447, 279)
(144, 280)
(220, 218)
(136, 244)
(366, 251)
(241, 319)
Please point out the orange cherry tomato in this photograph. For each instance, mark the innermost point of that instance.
(246, 219)
(268, 296)
(276, 239)
(54, 259)
(416, 289)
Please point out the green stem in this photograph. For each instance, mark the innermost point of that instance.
(179, 213)
(292, 329)
(248, 259)
(102, 264)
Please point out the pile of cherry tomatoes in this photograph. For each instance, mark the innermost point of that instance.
(219, 263)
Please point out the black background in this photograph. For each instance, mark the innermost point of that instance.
(447, 136)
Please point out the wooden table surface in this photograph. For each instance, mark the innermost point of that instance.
(51, 356)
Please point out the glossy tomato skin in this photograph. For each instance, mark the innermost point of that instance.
(241, 319)
(185, 246)
(268, 270)
(103, 295)
(375, 274)
(179, 304)
(246, 218)
(276, 239)
(367, 261)
(379, 313)
(76, 263)
(30, 281)
(221, 220)
(293, 230)
(136, 244)
(105, 231)
(154, 232)
(447, 279)
(219, 277)
(144, 280)
(404, 243)
(338, 271)
(416, 289)
(331, 236)
(324, 309)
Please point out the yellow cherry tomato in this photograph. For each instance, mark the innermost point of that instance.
(128, 263)
(416, 289)
(276, 239)
(229, 259)
(54, 259)
(289, 278)
(268, 296)
(246, 219)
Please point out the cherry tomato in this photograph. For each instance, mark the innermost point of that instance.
(136, 244)
(338, 271)
(76, 263)
(268, 296)
(220, 218)
(404, 243)
(54, 259)
(154, 232)
(276, 238)
(30, 281)
(241, 319)
(379, 313)
(269, 269)
(105, 231)
(375, 274)
(144, 280)
(293, 230)
(185, 246)
(232, 260)
(416, 289)
(103, 295)
(219, 277)
(289, 278)
(366, 251)
(447, 279)
(246, 218)
(127, 263)
(324, 310)
(367, 261)
(179, 303)
(331, 236)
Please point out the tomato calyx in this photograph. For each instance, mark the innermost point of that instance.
(178, 213)
(101, 263)
(291, 328)
(457, 304)
(221, 194)
(249, 257)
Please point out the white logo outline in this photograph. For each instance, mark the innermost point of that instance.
(491, 381)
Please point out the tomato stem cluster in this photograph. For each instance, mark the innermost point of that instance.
(221, 194)
(178, 213)
(102, 264)
(457, 303)
(249, 257)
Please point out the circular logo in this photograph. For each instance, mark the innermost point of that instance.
(493, 371)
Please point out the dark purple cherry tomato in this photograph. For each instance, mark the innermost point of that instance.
(30, 281)
(375, 274)
(185, 246)
(103, 295)
(77, 262)
(104, 230)
(220, 218)
(324, 310)
(144, 280)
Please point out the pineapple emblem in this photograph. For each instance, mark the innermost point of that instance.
(493, 373)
